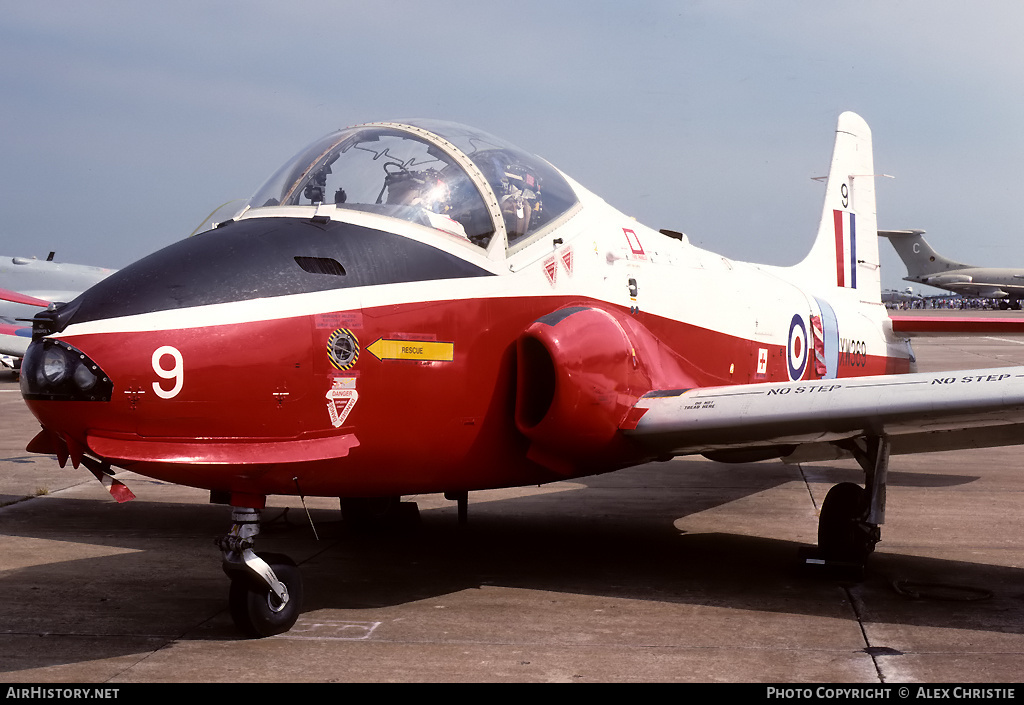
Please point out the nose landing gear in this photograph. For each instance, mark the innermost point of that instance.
(265, 597)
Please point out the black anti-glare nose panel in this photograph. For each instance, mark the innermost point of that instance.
(265, 257)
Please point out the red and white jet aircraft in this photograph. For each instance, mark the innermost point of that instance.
(421, 307)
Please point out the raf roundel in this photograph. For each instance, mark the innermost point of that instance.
(796, 348)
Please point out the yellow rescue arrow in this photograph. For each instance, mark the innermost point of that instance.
(430, 350)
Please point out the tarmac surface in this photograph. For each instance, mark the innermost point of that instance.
(681, 571)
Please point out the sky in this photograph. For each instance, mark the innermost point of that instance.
(123, 124)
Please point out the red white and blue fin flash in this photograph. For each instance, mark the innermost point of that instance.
(846, 248)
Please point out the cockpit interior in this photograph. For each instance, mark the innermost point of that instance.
(439, 174)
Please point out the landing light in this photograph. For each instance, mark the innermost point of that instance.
(54, 369)
(84, 378)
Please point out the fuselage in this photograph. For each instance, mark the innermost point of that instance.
(341, 351)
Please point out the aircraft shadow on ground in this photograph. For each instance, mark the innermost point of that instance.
(556, 543)
(156, 573)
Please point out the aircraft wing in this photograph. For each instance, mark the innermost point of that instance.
(20, 298)
(816, 420)
(14, 337)
(995, 290)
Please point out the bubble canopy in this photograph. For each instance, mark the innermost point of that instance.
(440, 174)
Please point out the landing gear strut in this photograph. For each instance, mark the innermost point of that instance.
(266, 588)
(848, 526)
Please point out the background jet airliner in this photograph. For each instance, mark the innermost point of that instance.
(926, 266)
(422, 307)
(31, 283)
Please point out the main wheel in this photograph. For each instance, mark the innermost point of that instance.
(254, 607)
(841, 536)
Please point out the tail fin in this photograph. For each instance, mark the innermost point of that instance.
(845, 253)
(918, 255)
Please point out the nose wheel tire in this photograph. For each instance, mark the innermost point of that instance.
(255, 609)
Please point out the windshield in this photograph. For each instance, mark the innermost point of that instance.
(437, 174)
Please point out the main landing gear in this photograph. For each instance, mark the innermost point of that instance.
(848, 525)
(266, 588)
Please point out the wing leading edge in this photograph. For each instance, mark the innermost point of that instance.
(815, 420)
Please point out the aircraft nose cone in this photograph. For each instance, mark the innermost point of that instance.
(260, 258)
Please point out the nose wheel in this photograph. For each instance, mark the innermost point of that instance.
(265, 597)
(259, 611)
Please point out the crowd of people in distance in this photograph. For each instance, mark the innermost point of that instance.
(947, 302)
